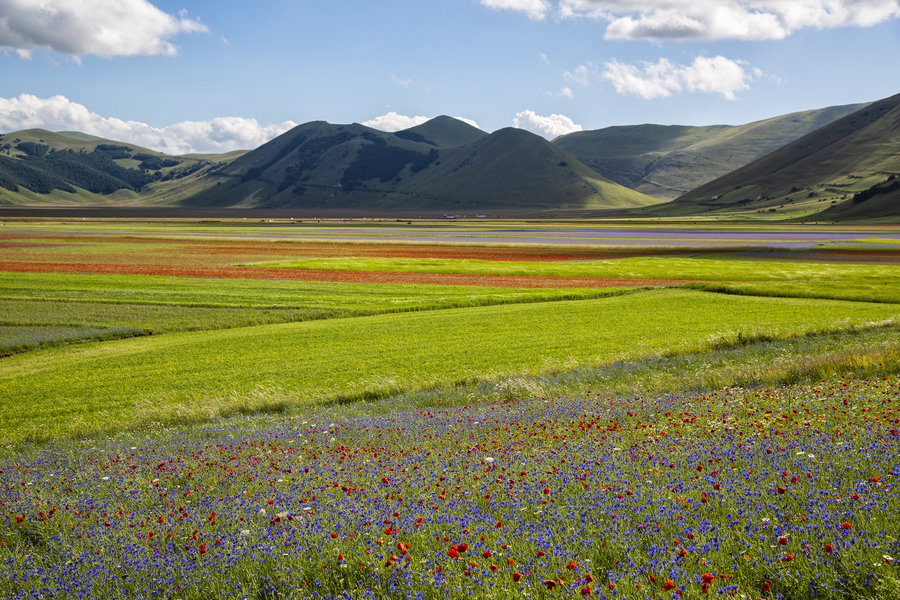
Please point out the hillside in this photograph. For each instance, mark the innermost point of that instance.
(443, 132)
(823, 175)
(320, 165)
(39, 167)
(667, 161)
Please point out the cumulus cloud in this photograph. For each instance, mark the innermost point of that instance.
(105, 28)
(717, 75)
(58, 113)
(548, 127)
(535, 9)
(392, 122)
(712, 19)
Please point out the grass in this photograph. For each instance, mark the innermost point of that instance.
(864, 282)
(128, 305)
(79, 390)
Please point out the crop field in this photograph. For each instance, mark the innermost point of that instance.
(233, 410)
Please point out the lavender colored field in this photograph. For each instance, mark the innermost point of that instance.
(784, 237)
(775, 492)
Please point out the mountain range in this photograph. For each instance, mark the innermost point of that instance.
(838, 160)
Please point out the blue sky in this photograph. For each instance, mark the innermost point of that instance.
(182, 75)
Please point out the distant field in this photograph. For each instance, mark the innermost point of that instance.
(61, 391)
(867, 282)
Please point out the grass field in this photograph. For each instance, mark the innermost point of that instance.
(300, 419)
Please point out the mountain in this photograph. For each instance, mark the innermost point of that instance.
(443, 132)
(72, 168)
(842, 170)
(320, 165)
(667, 161)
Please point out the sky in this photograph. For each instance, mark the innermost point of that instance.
(184, 76)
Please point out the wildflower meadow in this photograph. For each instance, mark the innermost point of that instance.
(785, 491)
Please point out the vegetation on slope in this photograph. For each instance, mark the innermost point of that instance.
(667, 161)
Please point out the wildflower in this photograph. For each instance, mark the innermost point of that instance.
(668, 585)
(847, 526)
(782, 541)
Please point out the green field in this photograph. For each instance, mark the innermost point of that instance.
(129, 305)
(864, 282)
(69, 390)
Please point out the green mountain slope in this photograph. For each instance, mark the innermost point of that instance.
(443, 132)
(667, 161)
(40, 167)
(816, 176)
(319, 165)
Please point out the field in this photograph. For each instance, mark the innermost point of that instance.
(458, 409)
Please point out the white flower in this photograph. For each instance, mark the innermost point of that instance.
(488, 460)
(261, 513)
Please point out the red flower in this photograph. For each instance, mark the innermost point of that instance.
(486, 554)
(847, 526)
(668, 585)
(829, 548)
(494, 568)
(550, 584)
(707, 577)
(787, 558)
(589, 578)
(782, 541)
(452, 553)
(765, 586)
(586, 591)
(516, 576)
(202, 548)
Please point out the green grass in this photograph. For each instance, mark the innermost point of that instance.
(85, 389)
(864, 282)
(128, 305)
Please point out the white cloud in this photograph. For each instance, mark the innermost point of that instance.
(105, 28)
(535, 9)
(548, 127)
(717, 75)
(58, 113)
(711, 19)
(582, 75)
(469, 121)
(567, 93)
(392, 122)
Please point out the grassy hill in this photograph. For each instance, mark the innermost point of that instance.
(667, 161)
(39, 167)
(443, 132)
(319, 165)
(818, 176)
